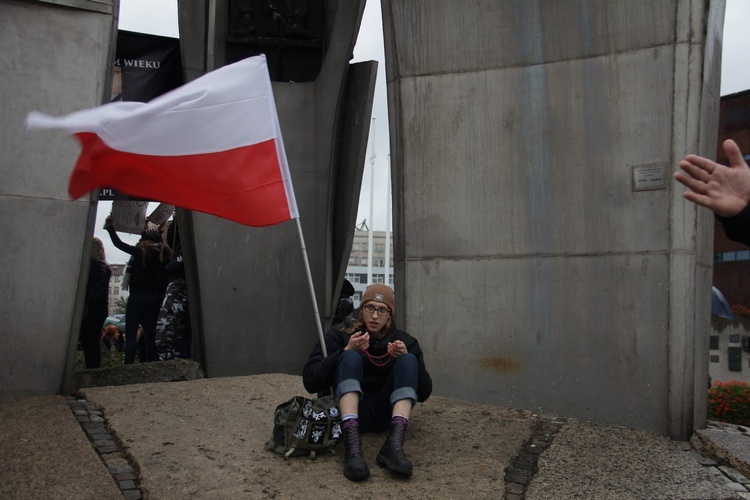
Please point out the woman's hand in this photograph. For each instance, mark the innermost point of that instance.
(396, 348)
(108, 222)
(359, 341)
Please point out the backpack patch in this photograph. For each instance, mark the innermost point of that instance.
(303, 426)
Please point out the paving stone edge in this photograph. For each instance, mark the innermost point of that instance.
(119, 463)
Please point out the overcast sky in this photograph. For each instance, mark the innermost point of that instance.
(159, 17)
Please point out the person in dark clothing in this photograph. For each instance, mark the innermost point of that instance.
(95, 308)
(724, 190)
(378, 373)
(147, 286)
(173, 332)
(346, 305)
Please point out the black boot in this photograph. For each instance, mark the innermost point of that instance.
(392, 455)
(355, 467)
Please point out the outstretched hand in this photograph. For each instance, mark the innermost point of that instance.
(725, 190)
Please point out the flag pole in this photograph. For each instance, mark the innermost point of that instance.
(372, 201)
(312, 289)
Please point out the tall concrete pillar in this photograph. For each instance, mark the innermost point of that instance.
(543, 256)
(56, 56)
(248, 285)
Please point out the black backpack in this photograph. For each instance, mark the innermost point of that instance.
(303, 426)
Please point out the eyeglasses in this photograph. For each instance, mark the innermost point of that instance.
(382, 311)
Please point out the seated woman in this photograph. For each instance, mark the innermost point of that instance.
(378, 373)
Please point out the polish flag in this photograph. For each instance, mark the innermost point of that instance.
(213, 145)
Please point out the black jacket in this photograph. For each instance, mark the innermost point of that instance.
(149, 278)
(737, 228)
(318, 375)
(97, 290)
(176, 267)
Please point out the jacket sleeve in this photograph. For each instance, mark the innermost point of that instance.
(737, 228)
(319, 372)
(176, 266)
(98, 284)
(424, 385)
(119, 244)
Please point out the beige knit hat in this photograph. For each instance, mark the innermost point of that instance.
(380, 293)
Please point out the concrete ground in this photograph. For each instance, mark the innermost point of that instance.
(205, 439)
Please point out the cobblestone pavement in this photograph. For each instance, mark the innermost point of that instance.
(123, 468)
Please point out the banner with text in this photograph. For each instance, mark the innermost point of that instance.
(146, 66)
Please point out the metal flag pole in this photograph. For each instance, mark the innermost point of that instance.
(312, 289)
(387, 280)
(372, 201)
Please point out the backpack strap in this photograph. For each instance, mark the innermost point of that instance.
(291, 449)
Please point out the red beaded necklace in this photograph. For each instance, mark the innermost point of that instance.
(378, 360)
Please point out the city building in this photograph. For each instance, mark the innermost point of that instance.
(382, 264)
(115, 287)
(729, 357)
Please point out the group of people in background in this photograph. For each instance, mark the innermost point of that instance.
(157, 322)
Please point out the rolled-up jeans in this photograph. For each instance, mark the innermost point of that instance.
(375, 406)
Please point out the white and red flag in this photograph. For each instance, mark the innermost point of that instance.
(212, 145)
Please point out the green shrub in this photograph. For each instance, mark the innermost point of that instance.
(729, 402)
